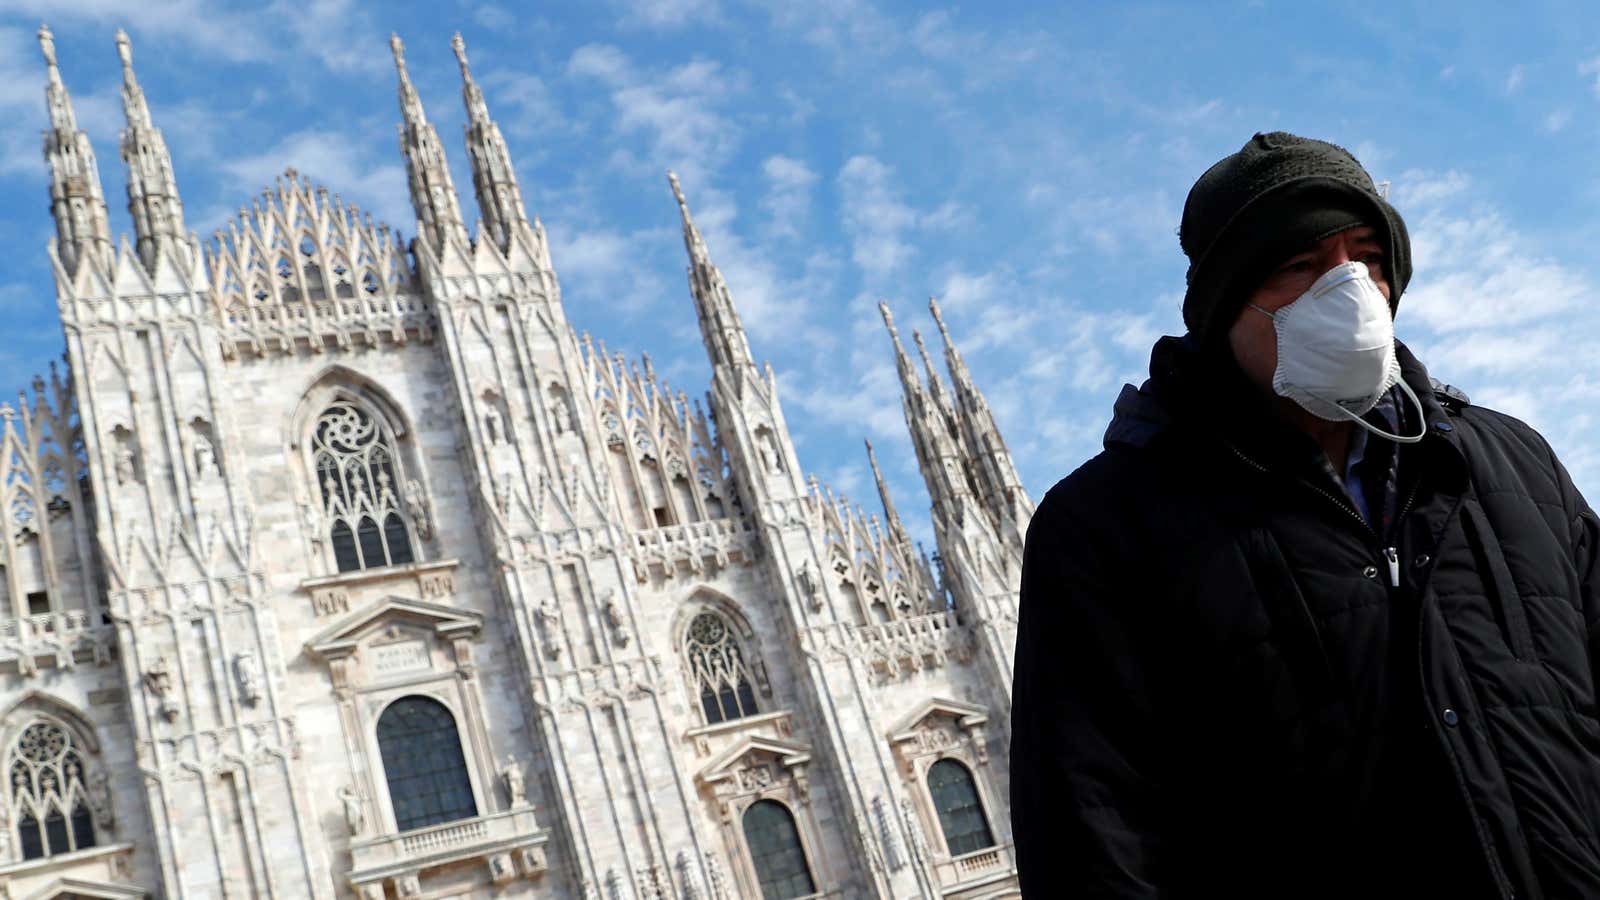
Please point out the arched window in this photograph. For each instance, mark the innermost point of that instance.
(775, 851)
(717, 670)
(49, 802)
(966, 828)
(422, 759)
(359, 477)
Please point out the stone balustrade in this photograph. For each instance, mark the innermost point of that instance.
(980, 866)
(510, 843)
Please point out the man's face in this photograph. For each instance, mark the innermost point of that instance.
(1253, 337)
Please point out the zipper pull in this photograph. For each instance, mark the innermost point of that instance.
(1393, 556)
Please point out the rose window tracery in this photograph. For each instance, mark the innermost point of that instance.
(359, 478)
(718, 670)
(49, 802)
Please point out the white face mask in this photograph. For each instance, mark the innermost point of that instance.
(1336, 355)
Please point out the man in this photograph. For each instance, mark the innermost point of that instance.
(1312, 625)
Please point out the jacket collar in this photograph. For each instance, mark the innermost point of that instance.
(1193, 395)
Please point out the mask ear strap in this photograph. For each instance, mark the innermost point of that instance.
(1399, 439)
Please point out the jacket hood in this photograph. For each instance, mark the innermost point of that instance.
(1187, 386)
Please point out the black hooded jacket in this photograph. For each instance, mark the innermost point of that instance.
(1228, 684)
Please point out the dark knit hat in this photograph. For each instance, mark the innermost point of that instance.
(1277, 196)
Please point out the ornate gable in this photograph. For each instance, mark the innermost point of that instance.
(939, 726)
(755, 767)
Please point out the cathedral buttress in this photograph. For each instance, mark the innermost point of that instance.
(980, 567)
(433, 194)
(505, 219)
(175, 534)
(153, 200)
(1000, 486)
(744, 398)
(77, 201)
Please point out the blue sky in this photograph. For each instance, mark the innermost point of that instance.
(1027, 163)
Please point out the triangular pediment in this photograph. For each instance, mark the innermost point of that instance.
(86, 888)
(787, 753)
(343, 636)
(965, 715)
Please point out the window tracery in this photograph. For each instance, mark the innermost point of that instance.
(50, 801)
(717, 669)
(359, 476)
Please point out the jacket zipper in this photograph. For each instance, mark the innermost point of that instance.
(1390, 554)
(1392, 557)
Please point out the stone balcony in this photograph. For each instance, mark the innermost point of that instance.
(66, 637)
(508, 843)
(980, 869)
(692, 545)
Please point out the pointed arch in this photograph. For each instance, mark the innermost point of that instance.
(38, 703)
(718, 648)
(361, 473)
(50, 748)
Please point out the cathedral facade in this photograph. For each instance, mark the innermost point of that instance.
(341, 567)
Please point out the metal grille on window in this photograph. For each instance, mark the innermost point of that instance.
(966, 828)
(718, 671)
(358, 474)
(48, 801)
(422, 760)
(775, 851)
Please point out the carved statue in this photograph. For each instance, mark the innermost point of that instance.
(769, 451)
(807, 580)
(491, 424)
(126, 469)
(688, 876)
(247, 673)
(515, 786)
(614, 618)
(205, 457)
(158, 681)
(560, 413)
(417, 508)
(354, 818)
(100, 800)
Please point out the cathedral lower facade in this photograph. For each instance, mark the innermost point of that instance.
(341, 567)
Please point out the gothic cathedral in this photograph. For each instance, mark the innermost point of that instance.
(341, 567)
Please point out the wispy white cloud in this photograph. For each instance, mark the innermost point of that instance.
(878, 219)
(667, 14)
(675, 110)
(788, 199)
(1591, 68)
(1514, 79)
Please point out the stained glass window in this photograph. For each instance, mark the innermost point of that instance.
(775, 851)
(422, 759)
(966, 828)
(717, 670)
(48, 799)
(358, 475)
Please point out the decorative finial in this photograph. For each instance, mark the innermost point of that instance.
(460, 47)
(888, 319)
(398, 48)
(125, 50)
(938, 318)
(47, 44)
(676, 190)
